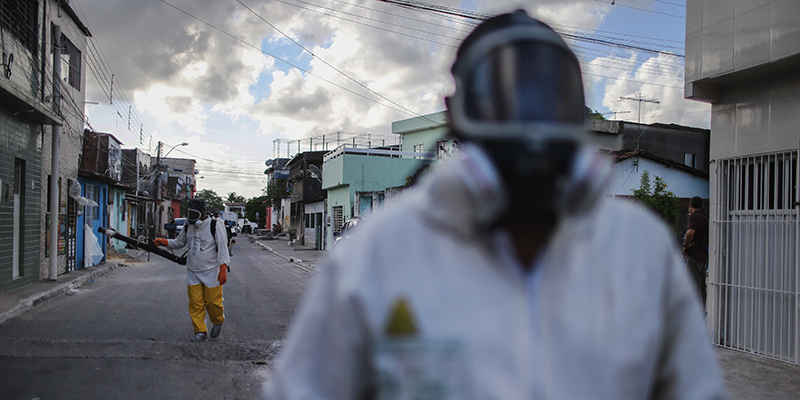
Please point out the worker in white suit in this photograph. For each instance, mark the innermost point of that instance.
(507, 274)
(206, 268)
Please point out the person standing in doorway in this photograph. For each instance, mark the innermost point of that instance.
(206, 267)
(695, 245)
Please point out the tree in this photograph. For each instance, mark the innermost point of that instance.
(235, 198)
(276, 191)
(214, 203)
(256, 205)
(658, 198)
(593, 114)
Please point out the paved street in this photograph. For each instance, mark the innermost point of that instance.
(126, 334)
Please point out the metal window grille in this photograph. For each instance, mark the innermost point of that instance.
(754, 297)
(338, 218)
(19, 17)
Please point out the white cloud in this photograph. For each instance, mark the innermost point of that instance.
(191, 82)
(658, 78)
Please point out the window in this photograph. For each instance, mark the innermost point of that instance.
(690, 160)
(70, 63)
(338, 218)
(766, 182)
(92, 212)
(19, 18)
(419, 148)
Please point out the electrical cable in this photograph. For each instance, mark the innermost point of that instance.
(331, 66)
(284, 61)
(614, 3)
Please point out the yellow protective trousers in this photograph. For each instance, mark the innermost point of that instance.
(204, 299)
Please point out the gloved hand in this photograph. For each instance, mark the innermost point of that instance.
(223, 274)
(161, 242)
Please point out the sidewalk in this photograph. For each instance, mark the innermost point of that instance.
(18, 301)
(302, 256)
(748, 377)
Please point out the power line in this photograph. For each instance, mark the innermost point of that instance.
(328, 64)
(362, 23)
(101, 71)
(614, 3)
(284, 61)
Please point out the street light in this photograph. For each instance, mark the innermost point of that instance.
(157, 181)
(173, 148)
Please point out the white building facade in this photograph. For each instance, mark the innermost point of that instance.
(742, 57)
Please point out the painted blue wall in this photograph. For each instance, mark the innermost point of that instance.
(96, 216)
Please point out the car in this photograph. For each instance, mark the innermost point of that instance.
(347, 230)
(246, 228)
(175, 227)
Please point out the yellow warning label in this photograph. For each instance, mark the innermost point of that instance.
(401, 321)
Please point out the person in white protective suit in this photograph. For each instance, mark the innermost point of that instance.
(507, 274)
(206, 268)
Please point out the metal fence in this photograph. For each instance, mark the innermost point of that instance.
(754, 280)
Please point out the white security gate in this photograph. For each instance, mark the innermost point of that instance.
(754, 283)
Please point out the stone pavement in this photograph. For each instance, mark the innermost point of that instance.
(749, 377)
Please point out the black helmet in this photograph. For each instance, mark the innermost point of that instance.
(197, 207)
(515, 77)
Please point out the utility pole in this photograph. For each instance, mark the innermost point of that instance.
(157, 190)
(54, 156)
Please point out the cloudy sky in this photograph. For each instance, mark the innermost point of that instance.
(242, 81)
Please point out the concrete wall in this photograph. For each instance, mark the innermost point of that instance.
(338, 196)
(71, 139)
(725, 36)
(425, 130)
(344, 175)
(755, 117)
(117, 217)
(627, 174)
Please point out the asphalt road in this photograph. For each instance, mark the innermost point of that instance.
(127, 335)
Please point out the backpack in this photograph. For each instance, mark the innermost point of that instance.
(227, 233)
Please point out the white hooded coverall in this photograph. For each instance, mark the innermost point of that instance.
(206, 254)
(608, 311)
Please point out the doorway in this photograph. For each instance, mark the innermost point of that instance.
(19, 197)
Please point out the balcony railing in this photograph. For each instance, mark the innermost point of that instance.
(382, 152)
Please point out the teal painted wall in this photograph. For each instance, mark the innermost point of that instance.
(343, 176)
(425, 130)
(115, 217)
(19, 139)
(427, 138)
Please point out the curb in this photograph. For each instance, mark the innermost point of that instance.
(294, 260)
(37, 299)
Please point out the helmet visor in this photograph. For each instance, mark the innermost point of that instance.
(524, 82)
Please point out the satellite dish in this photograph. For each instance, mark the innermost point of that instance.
(315, 172)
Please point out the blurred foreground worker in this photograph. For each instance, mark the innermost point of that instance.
(206, 267)
(507, 274)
